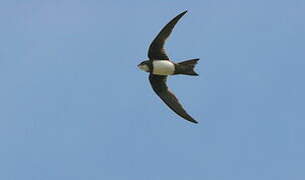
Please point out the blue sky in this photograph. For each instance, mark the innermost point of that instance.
(75, 106)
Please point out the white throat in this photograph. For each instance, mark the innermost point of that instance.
(144, 68)
(163, 67)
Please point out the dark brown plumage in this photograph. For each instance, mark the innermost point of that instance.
(158, 82)
(156, 48)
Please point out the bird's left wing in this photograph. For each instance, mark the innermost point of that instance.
(158, 84)
(156, 49)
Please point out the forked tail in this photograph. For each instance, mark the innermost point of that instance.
(187, 67)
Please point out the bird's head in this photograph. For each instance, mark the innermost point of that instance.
(144, 66)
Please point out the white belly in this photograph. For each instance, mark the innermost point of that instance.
(163, 67)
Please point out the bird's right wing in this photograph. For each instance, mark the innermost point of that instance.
(158, 84)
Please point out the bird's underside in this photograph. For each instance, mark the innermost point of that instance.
(158, 82)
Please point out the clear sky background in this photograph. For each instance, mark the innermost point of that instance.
(73, 104)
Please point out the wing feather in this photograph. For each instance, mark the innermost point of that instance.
(156, 48)
(158, 84)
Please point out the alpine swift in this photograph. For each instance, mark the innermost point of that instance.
(159, 66)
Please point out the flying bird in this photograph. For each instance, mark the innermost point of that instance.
(159, 67)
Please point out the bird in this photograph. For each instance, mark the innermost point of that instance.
(159, 66)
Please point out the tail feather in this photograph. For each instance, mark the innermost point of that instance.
(187, 67)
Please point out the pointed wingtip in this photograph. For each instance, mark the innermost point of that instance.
(190, 119)
(181, 14)
(194, 121)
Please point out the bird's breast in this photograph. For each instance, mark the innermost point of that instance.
(163, 67)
